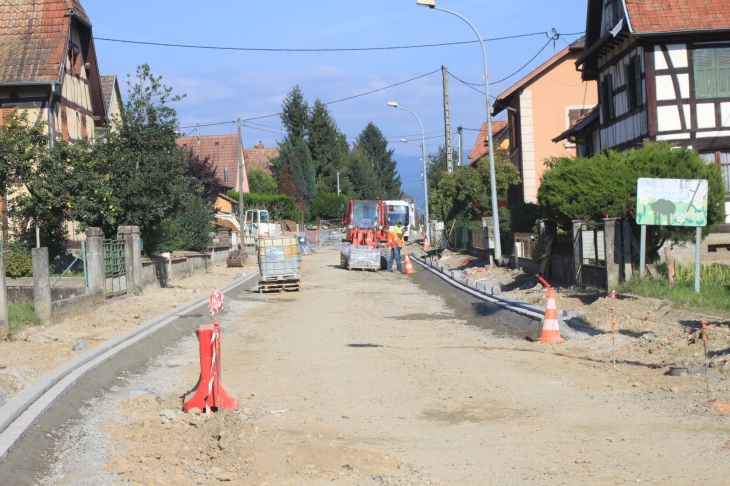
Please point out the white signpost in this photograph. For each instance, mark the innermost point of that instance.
(672, 202)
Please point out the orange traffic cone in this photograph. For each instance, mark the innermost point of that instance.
(426, 246)
(551, 326)
(409, 267)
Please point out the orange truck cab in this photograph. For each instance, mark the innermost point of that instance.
(364, 221)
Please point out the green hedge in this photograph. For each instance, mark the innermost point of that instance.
(279, 206)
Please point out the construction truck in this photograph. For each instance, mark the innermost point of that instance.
(403, 212)
(364, 222)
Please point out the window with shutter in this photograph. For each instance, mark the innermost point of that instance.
(608, 84)
(638, 87)
(723, 72)
(705, 80)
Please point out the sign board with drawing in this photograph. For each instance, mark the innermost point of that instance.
(671, 202)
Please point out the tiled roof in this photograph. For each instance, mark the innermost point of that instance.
(33, 39)
(259, 158)
(223, 153)
(480, 146)
(576, 126)
(107, 89)
(78, 10)
(659, 16)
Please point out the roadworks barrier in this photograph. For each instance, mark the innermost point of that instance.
(209, 393)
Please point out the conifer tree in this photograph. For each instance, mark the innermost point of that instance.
(328, 147)
(373, 143)
(295, 115)
(365, 184)
(295, 158)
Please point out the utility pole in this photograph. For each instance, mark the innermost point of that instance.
(241, 212)
(555, 38)
(461, 146)
(338, 183)
(447, 121)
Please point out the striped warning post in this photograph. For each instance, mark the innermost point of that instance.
(551, 326)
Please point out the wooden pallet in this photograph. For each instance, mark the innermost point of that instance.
(287, 286)
(363, 268)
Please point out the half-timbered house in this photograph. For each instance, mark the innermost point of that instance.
(663, 71)
(48, 67)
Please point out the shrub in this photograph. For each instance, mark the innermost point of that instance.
(589, 189)
(18, 263)
(187, 229)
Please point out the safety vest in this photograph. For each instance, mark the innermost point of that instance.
(398, 231)
(394, 240)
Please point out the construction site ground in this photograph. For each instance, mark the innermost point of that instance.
(376, 378)
(33, 351)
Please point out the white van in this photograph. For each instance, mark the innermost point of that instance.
(404, 212)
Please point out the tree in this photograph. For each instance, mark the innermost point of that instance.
(373, 143)
(260, 182)
(203, 177)
(327, 206)
(365, 184)
(436, 165)
(297, 170)
(28, 182)
(295, 116)
(505, 171)
(329, 148)
(461, 195)
(465, 194)
(588, 189)
(147, 172)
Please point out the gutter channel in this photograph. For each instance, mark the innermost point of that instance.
(19, 414)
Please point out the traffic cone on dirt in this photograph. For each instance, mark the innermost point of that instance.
(409, 267)
(551, 326)
(426, 246)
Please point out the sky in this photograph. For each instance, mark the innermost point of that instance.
(223, 85)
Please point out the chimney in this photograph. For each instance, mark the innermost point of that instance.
(260, 145)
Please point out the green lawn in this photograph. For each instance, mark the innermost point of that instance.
(712, 298)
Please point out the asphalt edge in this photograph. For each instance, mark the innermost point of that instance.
(521, 308)
(20, 413)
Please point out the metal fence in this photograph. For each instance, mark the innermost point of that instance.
(115, 267)
(66, 263)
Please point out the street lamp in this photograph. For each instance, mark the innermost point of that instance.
(423, 152)
(492, 177)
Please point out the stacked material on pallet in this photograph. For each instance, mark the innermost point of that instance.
(359, 256)
(279, 259)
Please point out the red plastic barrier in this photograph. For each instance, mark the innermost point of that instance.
(209, 392)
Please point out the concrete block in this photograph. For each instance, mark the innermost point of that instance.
(496, 291)
(456, 273)
(484, 288)
(471, 283)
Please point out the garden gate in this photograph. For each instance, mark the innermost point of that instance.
(115, 267)
(593, 255)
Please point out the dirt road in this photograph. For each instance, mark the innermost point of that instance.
(371, 378)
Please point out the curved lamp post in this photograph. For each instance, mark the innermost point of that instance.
(425, 175)
(492, 177)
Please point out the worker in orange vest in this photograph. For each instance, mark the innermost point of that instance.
(395, 243)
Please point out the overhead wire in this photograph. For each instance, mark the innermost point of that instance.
(333, 49)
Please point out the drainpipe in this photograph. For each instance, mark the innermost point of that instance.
(51, 125)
